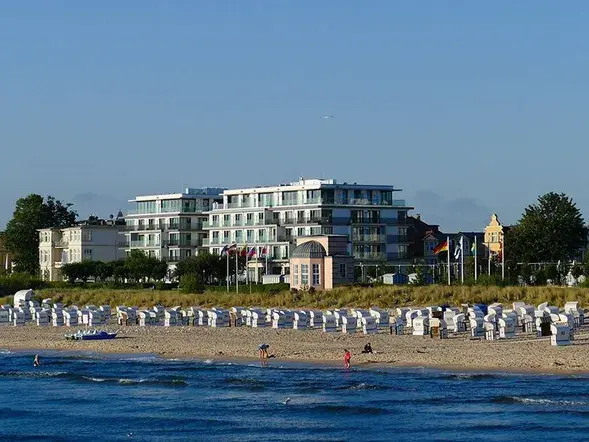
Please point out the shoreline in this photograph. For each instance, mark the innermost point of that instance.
(455, 369)
(521, 355)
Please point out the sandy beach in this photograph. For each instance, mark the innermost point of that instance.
(524, 353)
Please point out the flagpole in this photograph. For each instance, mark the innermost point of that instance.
(247, 268)
(266, 256)
(236, 269)
(462, 259)
(475, 259)
(502, 257)
(227, 253)
(489, 258)
(448, 252)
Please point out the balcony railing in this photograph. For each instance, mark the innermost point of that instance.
(161, 227)
(370, 256)
(144, 244)
(178, 242)
(368, 238)
(61, 243)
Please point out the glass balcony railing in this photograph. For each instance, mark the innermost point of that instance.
(142, 244)
(368, 238)
(162, 227)
(370, 256)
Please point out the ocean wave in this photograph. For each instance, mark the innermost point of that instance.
(31, 374)
(249, 384)
(363, 386)
(536, 401)
(5, 352)
(470, 376)
(349, 410)
(130, 382)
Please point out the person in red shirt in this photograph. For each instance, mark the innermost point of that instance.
(347, 357)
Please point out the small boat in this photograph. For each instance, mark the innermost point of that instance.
(90, 335)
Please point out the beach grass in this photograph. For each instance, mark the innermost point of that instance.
(341, 297)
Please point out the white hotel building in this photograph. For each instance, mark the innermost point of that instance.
(170, 226)
(273, 217)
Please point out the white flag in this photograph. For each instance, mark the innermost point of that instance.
(458, 249)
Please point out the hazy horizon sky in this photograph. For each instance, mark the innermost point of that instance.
(470, 107)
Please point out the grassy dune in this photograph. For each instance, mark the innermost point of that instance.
(381, 296)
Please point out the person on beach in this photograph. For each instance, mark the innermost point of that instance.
(36, 362)
(367, 349)
(263, 351)
(347, 357)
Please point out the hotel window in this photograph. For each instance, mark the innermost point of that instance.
(226, 236)
(226, 220)
(249, 218)
(261, 218)
(342, 270)
(216, 234)
(250, 235)
(238, 219)
(88, 254)
(315, 274)
(304, 274)
(301, 231)
(261, 235)
(295, 274)
(87, 235)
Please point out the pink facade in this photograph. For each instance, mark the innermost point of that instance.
(321, 262)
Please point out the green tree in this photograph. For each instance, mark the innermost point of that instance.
(139, 267)
(549, 231)
(21, 236)
(104, 270)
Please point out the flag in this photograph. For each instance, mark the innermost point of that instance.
(232, 249)
(251, 253)
(243, 251)
(473, 248)
(441, 248)
(264, 251)
(458, 248)
(225, 249)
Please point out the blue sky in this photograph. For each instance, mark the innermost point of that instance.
(469, 107)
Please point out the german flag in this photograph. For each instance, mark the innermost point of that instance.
(443, 247)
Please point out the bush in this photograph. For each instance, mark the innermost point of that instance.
(11, 284)
(191, 283)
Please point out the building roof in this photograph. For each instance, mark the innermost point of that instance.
(309, 249)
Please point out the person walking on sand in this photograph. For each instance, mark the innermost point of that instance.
(263, 351)
(36, 362)
(347, 357)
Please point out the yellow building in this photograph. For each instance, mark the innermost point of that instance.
(5, 259)
(494, 233)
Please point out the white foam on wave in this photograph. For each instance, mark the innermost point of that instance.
(543, 401)
(5, 352)
(94, 379)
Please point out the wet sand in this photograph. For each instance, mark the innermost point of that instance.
(523, 353)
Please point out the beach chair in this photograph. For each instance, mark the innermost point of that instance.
(506, 327)
(349, 324)
(560, 334)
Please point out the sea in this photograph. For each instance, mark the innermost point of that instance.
(87, 396)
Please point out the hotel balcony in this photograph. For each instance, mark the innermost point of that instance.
(163, 227)
(369, 238)
(370, 256)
